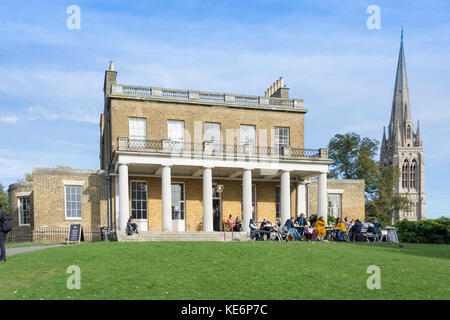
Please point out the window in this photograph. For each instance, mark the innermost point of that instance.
(73, 202)
(405, 174)
(137, 132)
(212, 133)
(408, 132)
(281, 138)
(247, 135)
(254, 216)
(335, 204)
(413, 174)
(24, 211)
(139, 200)
(277, 202)
(175, 132)
(178, 201)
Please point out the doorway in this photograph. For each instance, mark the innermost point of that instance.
(217, 210)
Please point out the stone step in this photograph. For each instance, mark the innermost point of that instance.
(181, 236)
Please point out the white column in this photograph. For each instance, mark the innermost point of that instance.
(322, 197)
(207, 200)
(124, 212)
(285, 197)
(166, 197)
(301, 198)
(246, 199)
(116, 203)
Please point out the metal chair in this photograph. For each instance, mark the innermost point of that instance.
(384, 235)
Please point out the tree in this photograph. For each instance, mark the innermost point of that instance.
(354, 159)
(385, 201)
(27, 177)
(4, 205)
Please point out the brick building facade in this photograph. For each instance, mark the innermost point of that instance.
(183, 160)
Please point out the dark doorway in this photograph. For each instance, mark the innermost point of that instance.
(217, 215)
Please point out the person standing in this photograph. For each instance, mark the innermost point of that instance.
(216, 218)
(5, 227)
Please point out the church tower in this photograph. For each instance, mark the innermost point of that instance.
(403, 148)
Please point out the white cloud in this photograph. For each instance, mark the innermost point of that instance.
(9, 119)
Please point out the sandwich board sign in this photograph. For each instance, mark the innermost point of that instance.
(75, 233)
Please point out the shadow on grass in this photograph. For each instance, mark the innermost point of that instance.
(439, 251)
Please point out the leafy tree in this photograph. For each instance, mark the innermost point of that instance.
(354, 159)
(27, 177)
(4, 205)
(385, 201)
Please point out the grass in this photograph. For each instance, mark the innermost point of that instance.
(238, 270)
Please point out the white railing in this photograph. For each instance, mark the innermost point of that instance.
(206, 96)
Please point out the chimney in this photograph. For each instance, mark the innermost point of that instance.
(110, 78)
(278, 90)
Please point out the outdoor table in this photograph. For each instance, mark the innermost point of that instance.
(391, 235)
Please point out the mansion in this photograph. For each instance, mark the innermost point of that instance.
(183, 160)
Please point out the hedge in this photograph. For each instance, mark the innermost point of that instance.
(424, 231)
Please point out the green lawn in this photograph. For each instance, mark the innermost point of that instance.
(238, 270)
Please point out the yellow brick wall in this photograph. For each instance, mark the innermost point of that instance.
(157, 113)
(352, 197)
(14, 191)
(49, 198)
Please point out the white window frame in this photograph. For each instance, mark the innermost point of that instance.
(277, 139)
(137, 139)
(216, 142)
(20, 210)
(131, 199)
(75, 184)
(184, 199)
(176, 137)
(243, 134)
(339, 194)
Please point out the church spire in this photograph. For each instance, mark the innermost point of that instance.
(401, 110)
(418, 135)
(383, 141)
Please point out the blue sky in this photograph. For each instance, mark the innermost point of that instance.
(52, 77)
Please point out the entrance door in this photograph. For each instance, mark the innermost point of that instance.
(217, 210)
(139, 204)
(178, 207)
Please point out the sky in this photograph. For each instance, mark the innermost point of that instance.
(51, 83)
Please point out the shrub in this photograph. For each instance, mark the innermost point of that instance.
(424, 231)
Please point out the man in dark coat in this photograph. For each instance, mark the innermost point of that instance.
(2, 237)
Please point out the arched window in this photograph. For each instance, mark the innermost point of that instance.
(408, 132)
(405, 174)
(412, 178)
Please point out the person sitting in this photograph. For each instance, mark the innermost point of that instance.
(302, 222)
(291, 228)
(339, 230)
(263, 229)
(309, 232)
(254, 232)
(230, 222)
(347, 223)
(356, 231)
(312, 220)
(376, 224)
(131, 227)
(237, 224)
(319, 228)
